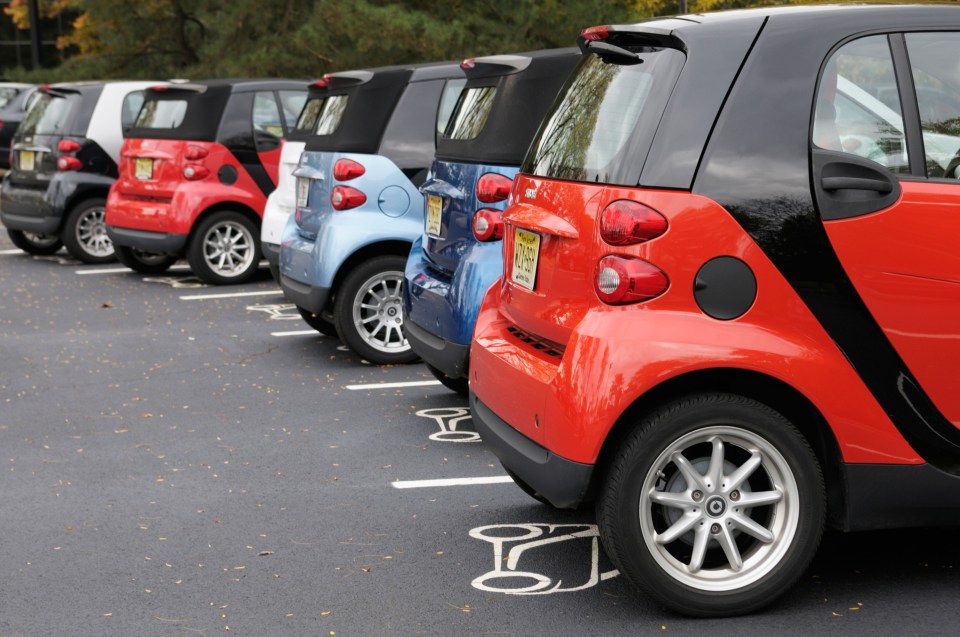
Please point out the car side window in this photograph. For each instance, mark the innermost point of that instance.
(936, 78)
(267, 125)
(130, 109)
(292, 103)
(858, 105)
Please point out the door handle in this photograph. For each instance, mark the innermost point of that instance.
(857, 183)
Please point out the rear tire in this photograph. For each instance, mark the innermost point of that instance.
(319, 322)
(85, 234)
(368, 312)
(714, 505)
(33, 243)
(144, 262)
(224, 249)
(459, 385)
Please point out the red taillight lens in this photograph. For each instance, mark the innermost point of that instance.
(347, 169)
(345, 198)
(621, 280)
(68, 146)
(595, 33)
(488, 224)
(69, 163)
(492, 188)
(195, 172)
(625, 223)
(193, 153)
(469, 63)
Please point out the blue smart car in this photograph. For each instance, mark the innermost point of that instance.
(458, 255)
(358, 208)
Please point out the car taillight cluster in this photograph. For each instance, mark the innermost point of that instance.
(623, 279)
(347, 197)
(488, 222)
(195, 170)
(66, 160)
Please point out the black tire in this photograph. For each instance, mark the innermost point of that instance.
(32, 243)
(224, 249)
(85, 234)
(382, 342)
(319, 322)
(144, 262)
(459, 385)
(771, 520)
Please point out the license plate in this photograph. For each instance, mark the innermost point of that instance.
(526, 253)
(303, 192)
(28, 160)
(434, 215)
(143, 168)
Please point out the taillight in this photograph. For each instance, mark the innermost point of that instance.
(193, 153)
(622, 280)
(345, 198)
(625, 223)
(493, 187)
(195, 172)
(469, 63)
(488, 224)
(595, 33)
(69, 163)
(68, 146)
(347, 169)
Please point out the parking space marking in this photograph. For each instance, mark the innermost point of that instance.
(529, 537)
(448, 418)
(175, 268)
(231, 295)
(414, 383)
(297, 333)
(278, 311)
(13, 251)
(450, 482)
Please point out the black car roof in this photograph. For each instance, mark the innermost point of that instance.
(527, 84)
(373, 94)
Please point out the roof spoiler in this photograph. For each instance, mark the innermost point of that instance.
(494, 65)
(58, 90)
(178, 86)
(345, 79)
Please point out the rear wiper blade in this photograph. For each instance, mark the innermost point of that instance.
(613, 54)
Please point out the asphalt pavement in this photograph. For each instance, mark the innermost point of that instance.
(180, 460)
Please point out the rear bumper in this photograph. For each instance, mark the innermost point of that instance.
(562, 482)
(29, 209)
(304, 295)
(453, 359)
(148, 241)
(271, 252)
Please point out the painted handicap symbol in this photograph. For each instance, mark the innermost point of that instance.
(507, 576)
(277, 311)
(177, 282)
(448, 418)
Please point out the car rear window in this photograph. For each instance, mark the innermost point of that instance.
(328, 121)
(601, 127)
(471, 112)
(7, 94)
(48, 115)
(161, 114)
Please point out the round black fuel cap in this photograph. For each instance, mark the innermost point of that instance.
(725, 288)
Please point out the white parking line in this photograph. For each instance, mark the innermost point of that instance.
(176, 268)
(297, 333)
(232, 295)
(13, 251)
(449, 482)
(416, 383)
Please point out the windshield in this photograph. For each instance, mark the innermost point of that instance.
(602, 125)
(6, 94)
(471, 112)
(48, 114)
(161, 114)
(331, 114)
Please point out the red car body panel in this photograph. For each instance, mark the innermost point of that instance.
(638, 347)
(903, 262)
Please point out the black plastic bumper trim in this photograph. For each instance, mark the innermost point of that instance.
(306, 296)
(898, 496)
(453, 359)
(147, 240)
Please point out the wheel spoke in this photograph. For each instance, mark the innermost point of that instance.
(750, 499)
(715, 472)
(678, 528)
(669, 499)
(693, 477)
(729, 546)
(369, 319)
(735, 479)
(700, 540)
(749, 525)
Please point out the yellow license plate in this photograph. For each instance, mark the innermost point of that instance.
(434, 215)
(143, 168)
(526, 253)
(28, 160)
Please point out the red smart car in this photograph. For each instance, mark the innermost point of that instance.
(195, 172)
(730, 307)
